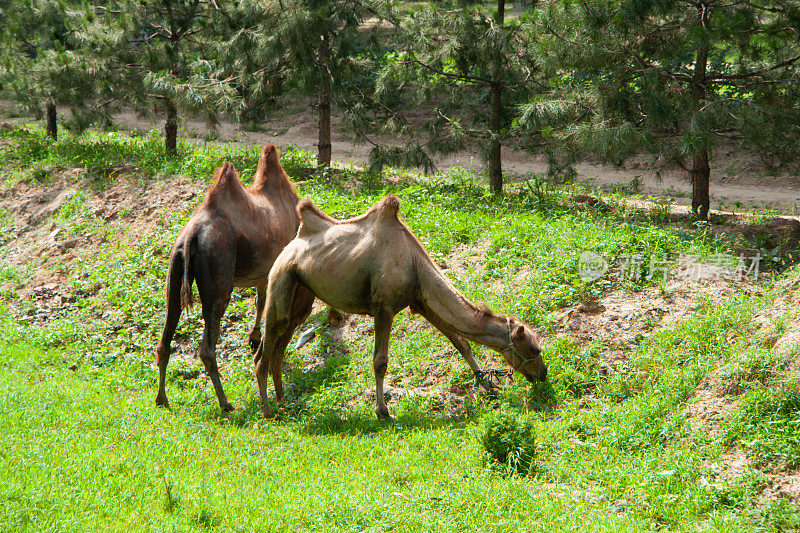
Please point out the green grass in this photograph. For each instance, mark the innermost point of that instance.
(27, 153)
(86, 449)
(768, 427)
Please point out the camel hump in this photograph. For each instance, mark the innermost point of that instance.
(227, 173)
(225, 176)
(267, 150)
(225, 179)
(269, 170)
(312, 218)
(389, 206)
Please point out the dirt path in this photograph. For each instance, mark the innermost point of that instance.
(738, 180)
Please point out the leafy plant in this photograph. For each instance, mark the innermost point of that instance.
(509, 442)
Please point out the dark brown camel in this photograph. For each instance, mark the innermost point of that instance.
(230, 241)
(374, 265)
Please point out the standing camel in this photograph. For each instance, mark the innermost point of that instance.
(230, 241)
(374, 265)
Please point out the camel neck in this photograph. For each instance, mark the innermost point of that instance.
(491, 331)
(477, 325)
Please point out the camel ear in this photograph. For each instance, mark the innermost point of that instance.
(518, 333)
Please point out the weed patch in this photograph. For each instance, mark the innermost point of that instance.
(768, 427)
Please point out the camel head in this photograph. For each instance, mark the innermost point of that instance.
(523, 352)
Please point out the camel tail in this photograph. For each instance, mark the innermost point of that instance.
(188, 275)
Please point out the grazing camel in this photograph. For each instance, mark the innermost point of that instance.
(374, 265)
(230, 241)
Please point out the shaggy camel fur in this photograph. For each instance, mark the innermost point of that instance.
(230, 241)
(374, 265)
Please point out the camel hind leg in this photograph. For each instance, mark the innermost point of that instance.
(301, 308)
(173, 296)
(254, 339)
(380, 359)
(215, 295)
(278, 317)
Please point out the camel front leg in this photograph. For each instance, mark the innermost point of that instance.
(380, 359)
(461, 344)
(254, 339)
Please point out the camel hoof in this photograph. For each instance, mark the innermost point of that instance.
(382, 414)
(161, 401)
(227, 408)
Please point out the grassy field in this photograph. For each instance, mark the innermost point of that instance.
(82, 447)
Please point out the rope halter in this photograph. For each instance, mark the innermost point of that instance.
(496, 374)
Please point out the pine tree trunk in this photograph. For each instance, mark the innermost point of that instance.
(171, 129)
(496, 110)
(324, 106)
(700, 179)
(51, 125)
(700, 169)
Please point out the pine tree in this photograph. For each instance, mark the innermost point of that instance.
(305, 47)
(41, 60)
(672, 77)
(162, 55)
(246, 61)
(465, 62)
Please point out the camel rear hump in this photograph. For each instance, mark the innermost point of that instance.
(225, 176)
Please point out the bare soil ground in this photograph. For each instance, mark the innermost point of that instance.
(739, 180)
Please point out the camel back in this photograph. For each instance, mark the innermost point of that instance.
(435, 289)
(313, 219)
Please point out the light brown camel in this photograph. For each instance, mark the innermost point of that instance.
(230, 241)
(374, 265)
